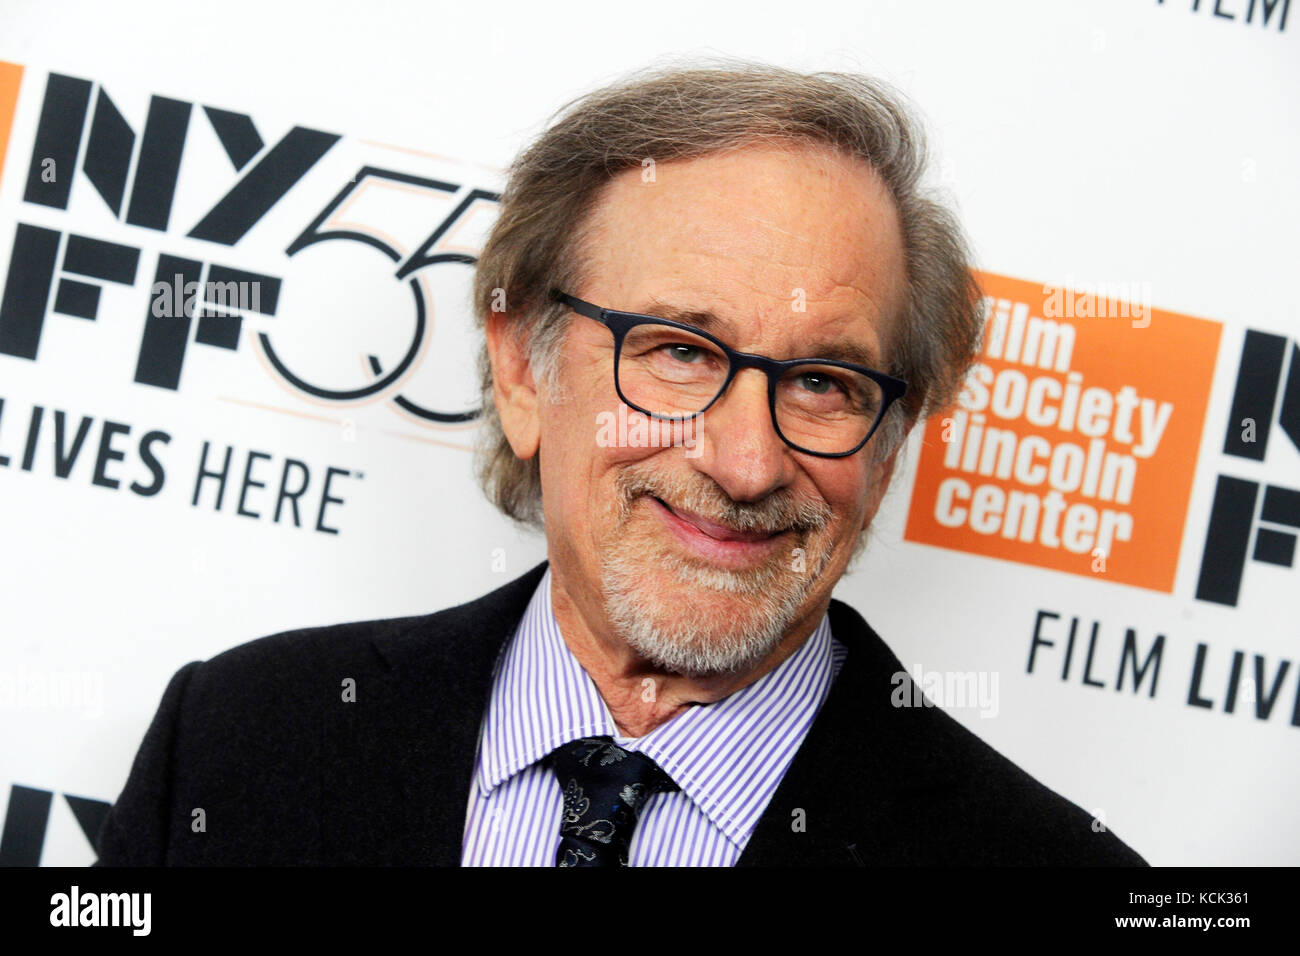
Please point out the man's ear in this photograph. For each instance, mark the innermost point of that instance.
(513, 387)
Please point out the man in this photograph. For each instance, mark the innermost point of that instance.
(741, 254)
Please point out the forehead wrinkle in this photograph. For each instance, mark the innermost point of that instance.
(804, 267)
(815, 288)
(775, 228)
(800, 261)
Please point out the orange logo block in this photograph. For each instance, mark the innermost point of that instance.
(1074, 443)
(11, 78)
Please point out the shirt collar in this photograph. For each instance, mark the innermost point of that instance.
(727, 757)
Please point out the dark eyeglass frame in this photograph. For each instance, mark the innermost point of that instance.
(620, 323)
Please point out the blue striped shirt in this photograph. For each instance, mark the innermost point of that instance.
(727, 757)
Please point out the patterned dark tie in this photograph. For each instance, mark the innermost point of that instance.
(605, 788)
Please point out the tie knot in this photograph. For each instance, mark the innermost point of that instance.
(605, 788)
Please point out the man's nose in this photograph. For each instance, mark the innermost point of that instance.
(739, 446)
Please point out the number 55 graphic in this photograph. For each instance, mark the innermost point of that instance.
(349, 294)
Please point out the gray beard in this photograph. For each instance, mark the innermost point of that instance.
(662, 627)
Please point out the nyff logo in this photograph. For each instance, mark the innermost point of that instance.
(1248, 511)
(393, 230)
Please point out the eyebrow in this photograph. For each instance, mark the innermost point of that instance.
(839, 351)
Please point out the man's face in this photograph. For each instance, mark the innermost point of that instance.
(704, 562)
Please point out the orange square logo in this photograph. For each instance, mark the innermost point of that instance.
(1074, 443)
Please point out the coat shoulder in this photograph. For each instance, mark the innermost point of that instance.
(250, 750)
(309, 659)
(1030, 823)
(300, 657)
(975, 804)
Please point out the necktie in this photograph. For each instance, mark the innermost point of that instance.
(605, 788)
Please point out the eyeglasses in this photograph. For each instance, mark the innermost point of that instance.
(672, 372)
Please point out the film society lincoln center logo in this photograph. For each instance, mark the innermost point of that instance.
(1074, 442)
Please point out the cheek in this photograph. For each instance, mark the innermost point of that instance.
(581, 453)
(568, 416)
(849, 487)
(567, 451)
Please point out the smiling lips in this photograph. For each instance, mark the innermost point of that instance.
(715, 530)
(714, 541)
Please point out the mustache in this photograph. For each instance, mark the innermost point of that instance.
(779, 511)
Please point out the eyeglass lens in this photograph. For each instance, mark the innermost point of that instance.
(671, 373)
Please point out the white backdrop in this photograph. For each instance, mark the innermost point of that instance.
(1082, 142)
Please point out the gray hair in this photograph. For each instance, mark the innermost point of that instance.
(676, 113)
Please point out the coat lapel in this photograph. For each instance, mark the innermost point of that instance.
(402, 756)
(860, 770)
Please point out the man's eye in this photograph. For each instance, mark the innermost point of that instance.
(685, 353)
(816, 383)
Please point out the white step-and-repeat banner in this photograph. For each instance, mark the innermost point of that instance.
(237, 386)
